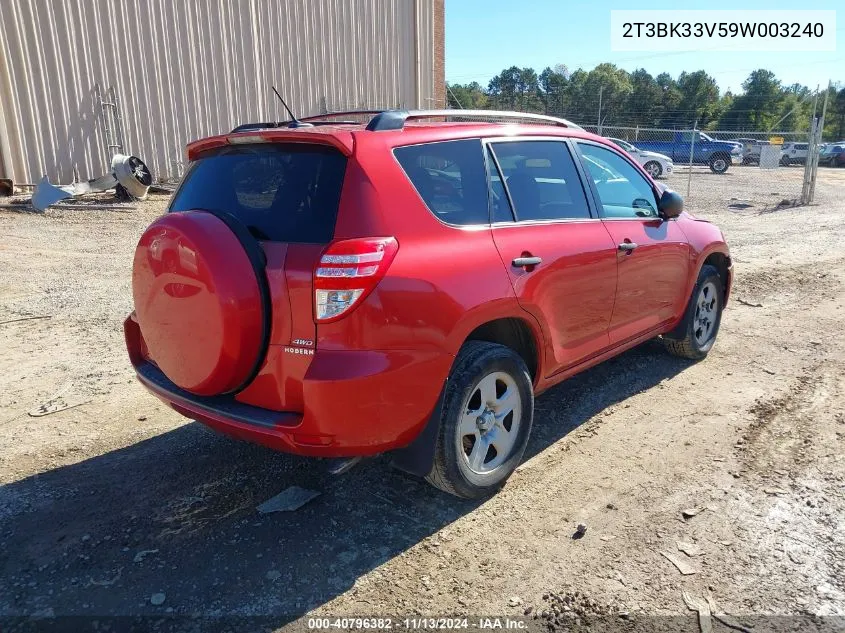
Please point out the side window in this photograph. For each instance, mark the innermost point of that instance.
(542, 180)
(623, 191)
(450, 178)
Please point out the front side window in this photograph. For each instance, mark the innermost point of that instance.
(542, 181)
(623, 191)
(450, 177)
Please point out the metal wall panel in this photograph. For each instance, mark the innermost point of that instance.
(191, 68)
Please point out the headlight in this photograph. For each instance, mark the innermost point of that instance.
(736, 150)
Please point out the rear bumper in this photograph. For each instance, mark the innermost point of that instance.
(356, 402)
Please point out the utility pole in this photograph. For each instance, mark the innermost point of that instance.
(601, 89)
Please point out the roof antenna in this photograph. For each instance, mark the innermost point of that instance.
(294, 122)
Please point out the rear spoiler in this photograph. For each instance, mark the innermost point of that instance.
(343, 143)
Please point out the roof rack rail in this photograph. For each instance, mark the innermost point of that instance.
(314, 119)
(395, 119)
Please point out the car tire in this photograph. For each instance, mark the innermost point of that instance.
(695, 335)
(653, 169)
(488, 402)
(784, 161)
(719, 163)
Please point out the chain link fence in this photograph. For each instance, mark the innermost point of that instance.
(720, 169)
(739, 171)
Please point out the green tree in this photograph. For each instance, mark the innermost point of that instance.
(469, 97)
(555, 90)
(757, 108)
(699, 97)
(516, 89)
(605, 88)
(669, 116)
(644, 101)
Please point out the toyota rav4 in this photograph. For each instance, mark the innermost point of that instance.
(410, 282)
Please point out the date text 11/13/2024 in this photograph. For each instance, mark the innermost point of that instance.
(382, 624)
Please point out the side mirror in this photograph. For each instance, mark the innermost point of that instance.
(671, 204)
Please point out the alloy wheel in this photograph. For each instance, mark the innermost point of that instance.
(489, 427)
(706, 313)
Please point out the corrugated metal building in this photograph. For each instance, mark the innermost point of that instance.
(192, 68)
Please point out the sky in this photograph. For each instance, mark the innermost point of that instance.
(483, 37)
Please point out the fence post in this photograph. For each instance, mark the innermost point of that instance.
(812, 149)
(819, 136)
(637, 134)
(693, 134)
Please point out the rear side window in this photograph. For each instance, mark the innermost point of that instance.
(450, 178)
(281, 192)
(542, 180)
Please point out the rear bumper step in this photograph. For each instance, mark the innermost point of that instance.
(215, 406)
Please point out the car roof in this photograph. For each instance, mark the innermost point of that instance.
(345, 135)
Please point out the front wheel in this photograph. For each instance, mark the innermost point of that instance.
(696, 334)
(719, 164)
(486, 419)
(653, 169)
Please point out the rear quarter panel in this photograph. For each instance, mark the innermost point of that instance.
(445, 280)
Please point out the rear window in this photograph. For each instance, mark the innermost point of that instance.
(281, 192)
(450, 178)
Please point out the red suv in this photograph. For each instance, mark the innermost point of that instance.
(408, 285)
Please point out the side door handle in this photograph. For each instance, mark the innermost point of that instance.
(519, 262)
(626, 246)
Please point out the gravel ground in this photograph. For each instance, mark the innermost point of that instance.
(118, 506)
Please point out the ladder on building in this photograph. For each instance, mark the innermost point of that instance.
(111, 120)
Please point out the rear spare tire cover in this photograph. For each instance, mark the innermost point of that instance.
(201, 300)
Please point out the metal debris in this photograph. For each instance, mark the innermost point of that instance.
(288, 500)
(690, 549)
(56, 403)
(130, 172)
(690, 512)
(683, 566)
(29, 318)
(703, 608)
(143, 554)
(724, 618)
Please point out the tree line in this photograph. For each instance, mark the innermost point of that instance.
(616, 97)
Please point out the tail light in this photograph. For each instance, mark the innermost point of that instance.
(348, 271)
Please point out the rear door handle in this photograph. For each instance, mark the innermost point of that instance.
(519, 262)
(627, 246)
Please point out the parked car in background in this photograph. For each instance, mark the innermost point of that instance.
(794, 153)
(751, 152)
(655, 164)
(833, 155)
(719, 155)
(315, 288)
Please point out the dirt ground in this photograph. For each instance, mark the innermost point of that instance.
(107, 503)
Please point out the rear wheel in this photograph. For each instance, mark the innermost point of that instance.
(653, 169)
(696, 335)
(485, 422)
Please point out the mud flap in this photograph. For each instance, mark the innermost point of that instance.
(418, 457)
